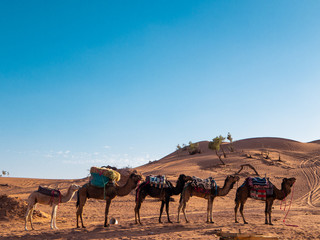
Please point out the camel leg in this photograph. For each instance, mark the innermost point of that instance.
(27, 216)
(241, 211)
(167, 209)
(31, 214)
(266, 213)
(208, 209)
(269, 211)
(52, 216)
(235, 211)
(179, 209)
(211, 206)
(108, 202)
(184, 199)
(138, 206)
(82, 202)
(161, 210)
(55, 207)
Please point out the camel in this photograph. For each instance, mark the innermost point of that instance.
(37, 197)
(110, 192)
(243, 193)
(163, 194)
(189, 191)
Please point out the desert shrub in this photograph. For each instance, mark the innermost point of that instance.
(193, 148)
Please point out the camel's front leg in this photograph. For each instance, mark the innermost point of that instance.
(108, 202)
(27, 216)
(266, 213)
(241, 211)
(211, 206)
(81, 202)
(236, 211)
(208, 210)
(269, 212)
(179, 209)
(161, 210)
(167, 209)
(52, 216)
(55, 217)
(32, 210)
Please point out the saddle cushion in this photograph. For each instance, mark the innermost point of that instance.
(207, 183)
(158, 181)
(107, 172)
(261, 188)
(49, 191)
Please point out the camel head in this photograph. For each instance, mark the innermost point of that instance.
(74, 187)
(288, 182)
(184, 178)
(135, 177)
(232, 179)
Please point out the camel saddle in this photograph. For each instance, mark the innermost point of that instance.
(49, 191)
(98, 180)
(261, 188)
(207, 183)
(158, 181)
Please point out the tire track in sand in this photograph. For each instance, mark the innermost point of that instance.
(311, 170)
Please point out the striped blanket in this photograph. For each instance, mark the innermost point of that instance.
(158, 181)
(204, 185)
(260, 188)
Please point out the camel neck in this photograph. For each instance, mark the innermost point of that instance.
(281, 194)
(126, 188)
(225, 189)
(68, 196)
(178, 188)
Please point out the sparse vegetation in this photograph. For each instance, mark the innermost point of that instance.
(193, 148)
(4, 173)
(215, 145)
(229, 137)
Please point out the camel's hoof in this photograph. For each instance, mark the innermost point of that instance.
(170, 222)
(187, 221)
(107, 225)
(271, 224)
(245, 222)
(236, 222)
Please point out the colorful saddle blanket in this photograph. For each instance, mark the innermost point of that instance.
(207, 183)
(49, 191)
(260, 188)
(158, 181)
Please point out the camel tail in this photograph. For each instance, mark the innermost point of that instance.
(78, 201)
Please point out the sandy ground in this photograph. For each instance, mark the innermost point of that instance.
(299, 160)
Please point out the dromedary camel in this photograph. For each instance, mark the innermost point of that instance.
(37, 197)
(163, 194)
(109, 193)
(243, 193)
(190, 190)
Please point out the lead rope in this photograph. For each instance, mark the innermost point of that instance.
(284, 220)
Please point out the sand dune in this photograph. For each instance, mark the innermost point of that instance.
(287, 158)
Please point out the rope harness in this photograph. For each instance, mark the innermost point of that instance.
(284, 209)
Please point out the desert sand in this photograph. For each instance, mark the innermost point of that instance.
(299, 160)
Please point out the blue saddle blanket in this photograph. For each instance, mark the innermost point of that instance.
(98, 180)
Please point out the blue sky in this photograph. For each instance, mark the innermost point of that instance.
(91, 83)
